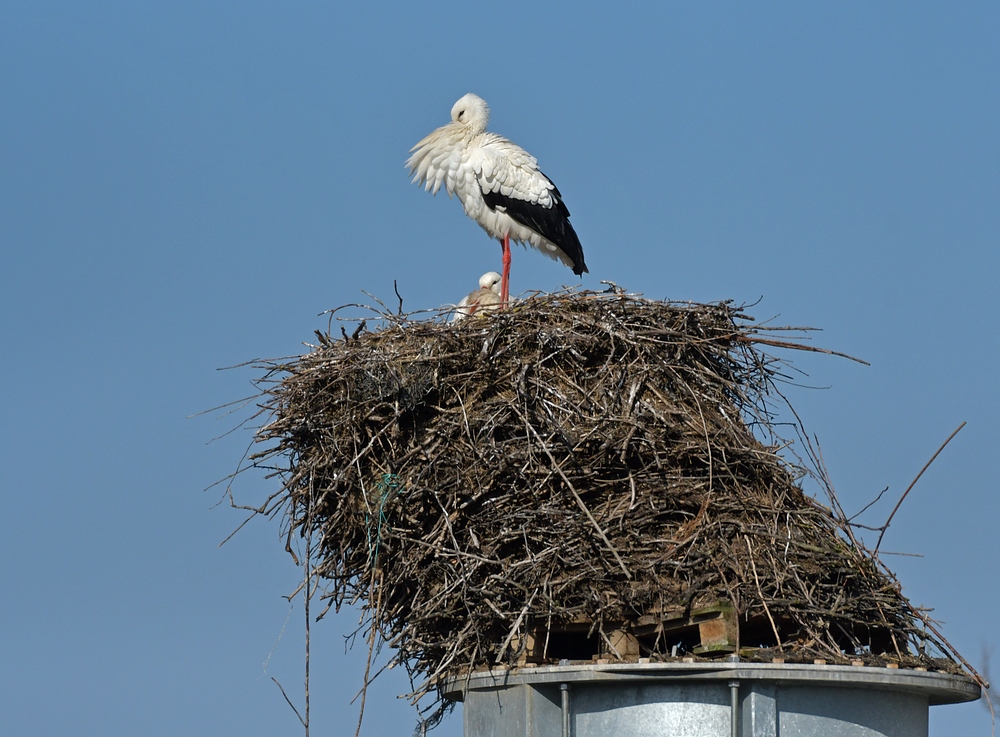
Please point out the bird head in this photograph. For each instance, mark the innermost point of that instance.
(491, 281)
(471, 111)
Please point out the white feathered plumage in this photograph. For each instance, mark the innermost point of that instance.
(499, 184)
(484, 299)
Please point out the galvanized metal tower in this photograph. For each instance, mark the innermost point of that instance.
(705, 700)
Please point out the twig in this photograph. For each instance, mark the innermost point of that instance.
(371, 648)
(763, 599)
(303, 721)
(912, 484)
(978, 678)
(868, 506)
(358, 330)
(579, 501)
(799, 347)
(307, 564)
(517, 623)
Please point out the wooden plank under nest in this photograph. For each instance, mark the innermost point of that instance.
(707, 631)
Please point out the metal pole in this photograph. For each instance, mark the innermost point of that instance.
(734, 699)
(564, 688)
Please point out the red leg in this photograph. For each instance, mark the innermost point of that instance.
(505, 276)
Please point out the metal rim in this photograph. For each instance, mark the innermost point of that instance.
(939, 688)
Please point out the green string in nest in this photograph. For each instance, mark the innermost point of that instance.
(387, 488)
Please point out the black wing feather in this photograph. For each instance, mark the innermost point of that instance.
(552, 223)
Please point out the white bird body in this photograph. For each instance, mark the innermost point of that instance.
(498, 183)
(482, 300)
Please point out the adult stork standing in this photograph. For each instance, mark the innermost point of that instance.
(499, 184)
(482, 300)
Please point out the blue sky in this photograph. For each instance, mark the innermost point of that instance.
(185, 186)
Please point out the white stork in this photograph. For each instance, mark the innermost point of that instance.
(486, 298)
(499, 184)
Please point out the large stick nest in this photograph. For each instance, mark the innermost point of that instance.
(581, 457)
